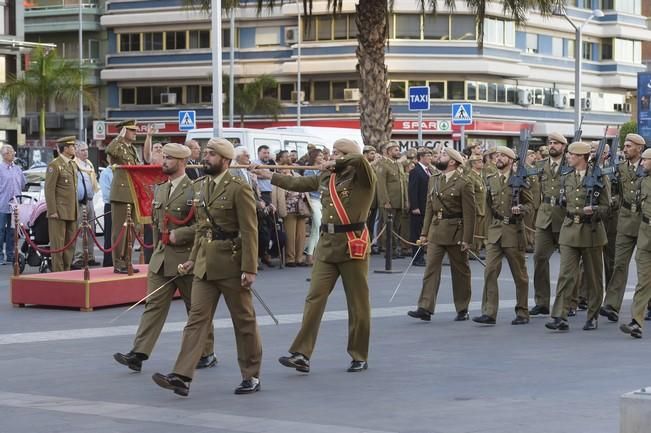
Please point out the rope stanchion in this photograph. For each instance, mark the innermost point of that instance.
(117, 240)
(140, 240)
(381, 232)
(413, 244)
(45, 250)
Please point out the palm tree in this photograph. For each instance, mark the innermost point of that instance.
(49, 79)
(254, 98)
(371, 19)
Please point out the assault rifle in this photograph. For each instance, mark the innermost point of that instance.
(519, 180)
(578, 134)
(592, 180)
(611, 170)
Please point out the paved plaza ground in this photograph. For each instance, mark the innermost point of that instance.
(58, 374)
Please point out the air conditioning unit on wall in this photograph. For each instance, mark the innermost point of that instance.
(295, 96)
(586, 104)
(561, 100)
(291, 35)
(525, 97)
(168, 98)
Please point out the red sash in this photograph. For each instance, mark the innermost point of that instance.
(357, 246)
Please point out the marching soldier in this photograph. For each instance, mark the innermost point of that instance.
(506, 237)
(224, 259)
(628, 224)
(347, 185)
(61, 202)
(447, 228)
(489, 161)
(548, 221)
(173, 218)
(582, 237)
(121, 151)
(370, 155)
(642, 294)
(474, 173)
(530, 219)
(391, 191)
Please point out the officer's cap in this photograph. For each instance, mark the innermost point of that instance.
(557, 137)
(636, 139)
(176, 150)
(222, 146)
(475, 158)
(391, 144)
(490, 151)
(129, 124)
(65, 141)
(368, 149)
(580, 148)
(505, 151)
(346, 146)
(646, 154)
(453, 154)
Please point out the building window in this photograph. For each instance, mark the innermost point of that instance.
(557, 47)
(143, 95)
(398, 89)
(153, 41)
(8, 17)
(437, 90)
(93, 49)
(341, 27)
(607, 49)
(501, 93)
(499, 32)
(128, 96)
(267, 36)
(338, 89)
(633, 7)
(352, 27)
(587, 51)
(206, 94)
(463, 28)
(407, 26)
(322, 90)
(492, 92)
(129, 42)
(226, 38)
(471, 91)
(324, 28)
(456, 90)
(200, 39)
(436, 27)
(628, 51)
(192, 94)
(482, 94)
(532, 43)
(286, 90)
(175, 41)
(511, 94)
(571, 49)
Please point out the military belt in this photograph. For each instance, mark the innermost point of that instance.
(579, 219)
(630, 206)
(217, 234)
(448, 216)
(551, 200)
(342, 228)
(505, 220)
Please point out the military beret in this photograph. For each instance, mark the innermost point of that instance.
(530, 152)
(129, 124)
(368, 149)
(411, 153)
(346, 146)
(557, 137)
(505, 151)
(391, 144)
(475, 158)
(579, 148)
(222, 146)
(453, 154)
(71, 139)
(646, 154)
(176, 150)
(490, 151)
(635, 139)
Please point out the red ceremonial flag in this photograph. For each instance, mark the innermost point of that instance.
(142, 181)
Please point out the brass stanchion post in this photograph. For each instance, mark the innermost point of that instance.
(84, 239)
(129, 241)
(16, 236)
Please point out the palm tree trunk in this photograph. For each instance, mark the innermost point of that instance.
(41, 124)
(374, 104)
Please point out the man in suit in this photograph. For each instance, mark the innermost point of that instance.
(195, 157)
(61, 201)
(548, 220)
(352, 179)
(629, 173)
(448, 228)
(224, 259)
(506, 237)
(121, 151)
(173, 229)
(582, 238)
(391, 194)
(418, 181)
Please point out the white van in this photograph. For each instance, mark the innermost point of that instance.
(328, 134)
(254, 138)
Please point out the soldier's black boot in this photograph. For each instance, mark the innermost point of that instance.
(207, 361)
(298, 361)
(248, 386)
(133, 360)
(557, 324)
(539, 310)
(609, 312)
(357, 366)
(180, 385)
(420, 313)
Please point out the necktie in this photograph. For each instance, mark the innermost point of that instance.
(554, 167)
(171, 189)
(427, 170)
(83, 183)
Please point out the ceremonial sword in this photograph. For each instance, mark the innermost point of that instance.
(404, 274)
(145, 298)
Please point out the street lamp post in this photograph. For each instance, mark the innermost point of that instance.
(299, 101)
(82, 130)
(578, 59)
(216, 48)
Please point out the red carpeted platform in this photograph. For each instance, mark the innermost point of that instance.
(68, 289)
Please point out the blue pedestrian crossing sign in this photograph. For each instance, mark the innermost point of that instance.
(419, 98)
(187, 120)
(462, 114)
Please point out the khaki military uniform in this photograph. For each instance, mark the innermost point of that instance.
(530, 219)
(449, 220)
(642, 294)
(121, 153)
(506, 237)
(61, 199)
(225, 246)
(391, 189)
(549, 220)
(628, 226)
(581, 238)
(164, 263)
(479, 187)
(355, 184)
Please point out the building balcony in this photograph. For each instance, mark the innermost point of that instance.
(50, 16)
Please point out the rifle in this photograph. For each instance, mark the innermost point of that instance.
(578, 134)
(519, 180)
(611, 170)
(592, 181)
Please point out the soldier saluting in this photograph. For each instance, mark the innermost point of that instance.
(173, 223)
(224, 259)
(448, 228)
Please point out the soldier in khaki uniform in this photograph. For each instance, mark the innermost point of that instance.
(506, 237)
(354, 183)
(172, 205)
(474, 173)
(121, 151)
(391, 191)
(582, 237)
(548, 220)
(61, 201)
(628, 224)
(530, 219)
(224, 259)
(447, 228)
(370, 155)
(642, 294)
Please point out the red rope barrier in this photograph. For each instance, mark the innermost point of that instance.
(140, 240)
(45, 250)
(117, 240)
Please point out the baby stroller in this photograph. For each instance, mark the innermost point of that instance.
(38, 233)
